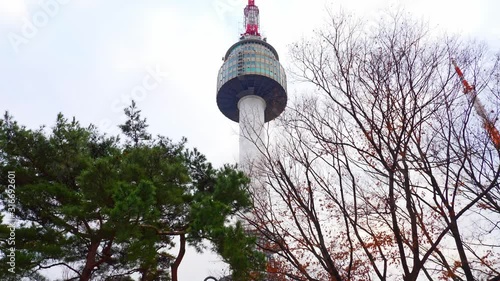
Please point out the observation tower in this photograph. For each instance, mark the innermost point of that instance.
(251, 85)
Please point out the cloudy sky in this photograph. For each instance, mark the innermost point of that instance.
(89, 58)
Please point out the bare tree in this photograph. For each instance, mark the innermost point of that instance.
(384, 172)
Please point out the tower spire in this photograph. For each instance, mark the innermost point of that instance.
(251, 19)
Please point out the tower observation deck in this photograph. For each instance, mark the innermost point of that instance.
(251, 67)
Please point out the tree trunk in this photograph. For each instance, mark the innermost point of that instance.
(460, 247)
(177, 262)
(89, 261)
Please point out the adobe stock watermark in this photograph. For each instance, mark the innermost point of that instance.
(47, 10)
(150, 82)
(222, 7)
(10, 252)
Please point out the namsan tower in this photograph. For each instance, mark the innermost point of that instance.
(251, 86)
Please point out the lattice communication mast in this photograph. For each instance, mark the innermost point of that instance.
(251, 19)
(470, 92)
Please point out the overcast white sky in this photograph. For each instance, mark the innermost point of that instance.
(87, 58)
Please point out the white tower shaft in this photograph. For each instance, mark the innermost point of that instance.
(251, 119)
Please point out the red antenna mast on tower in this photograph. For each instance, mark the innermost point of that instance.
(470, 91)
(251, 19)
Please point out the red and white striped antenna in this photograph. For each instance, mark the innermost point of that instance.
(251, 19)
(470, 92)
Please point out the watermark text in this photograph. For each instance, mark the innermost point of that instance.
(11, 208)
(48, 9)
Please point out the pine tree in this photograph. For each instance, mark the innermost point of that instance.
(102, 210)
(135, 127)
